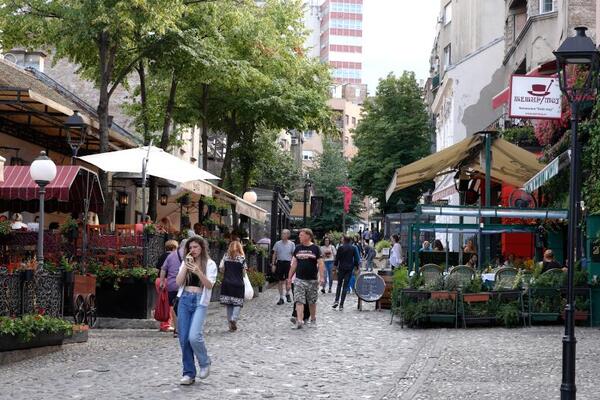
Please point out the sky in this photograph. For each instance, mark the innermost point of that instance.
(397, 35)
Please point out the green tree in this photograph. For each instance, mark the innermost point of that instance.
(394, 132)
(330, 172)
(103, 37)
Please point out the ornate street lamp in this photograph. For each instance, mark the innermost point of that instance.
(164, 199)
(42, 172)
(76, 122)
(578, 52)
(250, 196)
(123, 198)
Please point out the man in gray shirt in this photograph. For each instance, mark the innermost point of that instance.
(283, 251)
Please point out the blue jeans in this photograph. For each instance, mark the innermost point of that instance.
(233, 312)
(329, 274)
(190, 324)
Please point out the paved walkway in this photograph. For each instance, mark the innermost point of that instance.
(351, 355)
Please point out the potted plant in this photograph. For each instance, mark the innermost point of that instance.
(209, 224)
(184, 199)
(31, 331)
(27, 270)
(473, 293)
(67, 269)
(257, 279)
(5, 228)
(79, 334)
(69, 229)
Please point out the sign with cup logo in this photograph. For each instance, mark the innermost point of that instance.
(535, 97)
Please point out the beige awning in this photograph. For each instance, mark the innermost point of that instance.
(510, 164)
(199, 187)
(250, 210)
(431, 166)
(2, 160)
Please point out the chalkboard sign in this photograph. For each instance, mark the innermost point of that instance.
(369, 287)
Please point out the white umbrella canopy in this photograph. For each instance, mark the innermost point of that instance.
(160, 164)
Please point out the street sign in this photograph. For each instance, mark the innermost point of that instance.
(369, 287)
(535, 97)
(549, 171)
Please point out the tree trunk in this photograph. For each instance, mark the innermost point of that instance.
(152, 181)
(106, 64)
(205, 127)
(166, 132)
(226, 178)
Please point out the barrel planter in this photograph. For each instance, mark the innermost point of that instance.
(10, 342)
(134, 298)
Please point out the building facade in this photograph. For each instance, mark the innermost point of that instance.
(466, 73)
(336, 36)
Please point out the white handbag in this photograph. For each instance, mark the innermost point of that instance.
(248, 291)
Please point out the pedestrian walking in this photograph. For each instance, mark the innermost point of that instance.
(307, 264)
(369, 254)
(328, 251)
(396, 252)
(169, 267)
(196, 277)
(347, 260)
(233, 267)
(283, 251)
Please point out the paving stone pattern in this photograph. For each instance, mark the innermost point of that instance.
(350, 355)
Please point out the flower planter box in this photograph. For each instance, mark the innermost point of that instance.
(579, 315)
(134, 299)
(9, 342)
(77, 337)
(475, 297)
(443, 295)
(416, 294)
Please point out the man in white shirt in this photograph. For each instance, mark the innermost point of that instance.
(283, 251)
(396, 253)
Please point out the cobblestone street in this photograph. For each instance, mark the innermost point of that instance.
(351, 355)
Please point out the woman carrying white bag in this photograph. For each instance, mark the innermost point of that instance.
(234, 287)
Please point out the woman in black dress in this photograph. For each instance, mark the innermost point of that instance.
(233, 267)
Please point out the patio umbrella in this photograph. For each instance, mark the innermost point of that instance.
(159, 163)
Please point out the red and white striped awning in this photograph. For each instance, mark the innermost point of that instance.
(546, 69)
(71, 186)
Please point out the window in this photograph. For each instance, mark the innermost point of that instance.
(308, 134)
(448, 13)
(353, 121)
(447, 56)
(546, 6)
(347, 119)
(357, 92)
(307, 155)
(345, 23)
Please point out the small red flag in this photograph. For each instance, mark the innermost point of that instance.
(347, 197)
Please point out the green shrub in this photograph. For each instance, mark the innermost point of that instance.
(29, 326)
(383, 244)
(508, 314)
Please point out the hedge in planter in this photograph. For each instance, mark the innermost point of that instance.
(32, 331)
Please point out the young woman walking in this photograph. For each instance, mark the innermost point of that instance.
(328, 252)
(233, 267)
(196, 277)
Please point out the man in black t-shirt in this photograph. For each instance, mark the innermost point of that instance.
(549, 262)
(309, 268)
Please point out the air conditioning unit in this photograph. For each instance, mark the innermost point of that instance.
(295, 141)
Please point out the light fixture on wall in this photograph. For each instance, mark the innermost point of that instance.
(250, 196)
(123, 198)
(164, 199)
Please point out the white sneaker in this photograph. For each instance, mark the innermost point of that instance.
(312, 323)
(187, 380)
(204, 372)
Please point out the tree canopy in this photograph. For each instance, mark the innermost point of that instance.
(393, 132)
(330, 171)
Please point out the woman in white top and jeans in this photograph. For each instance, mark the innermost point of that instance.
(328, 252)
(196, 277)
(396, 253)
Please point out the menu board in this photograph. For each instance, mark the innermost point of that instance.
(369, 287)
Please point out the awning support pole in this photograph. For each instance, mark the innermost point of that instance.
(488, 189)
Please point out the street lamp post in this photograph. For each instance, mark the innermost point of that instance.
(75, 122)
(578, 51)
(42, 171)
(307, 186)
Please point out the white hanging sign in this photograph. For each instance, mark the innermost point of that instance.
(535, 97)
